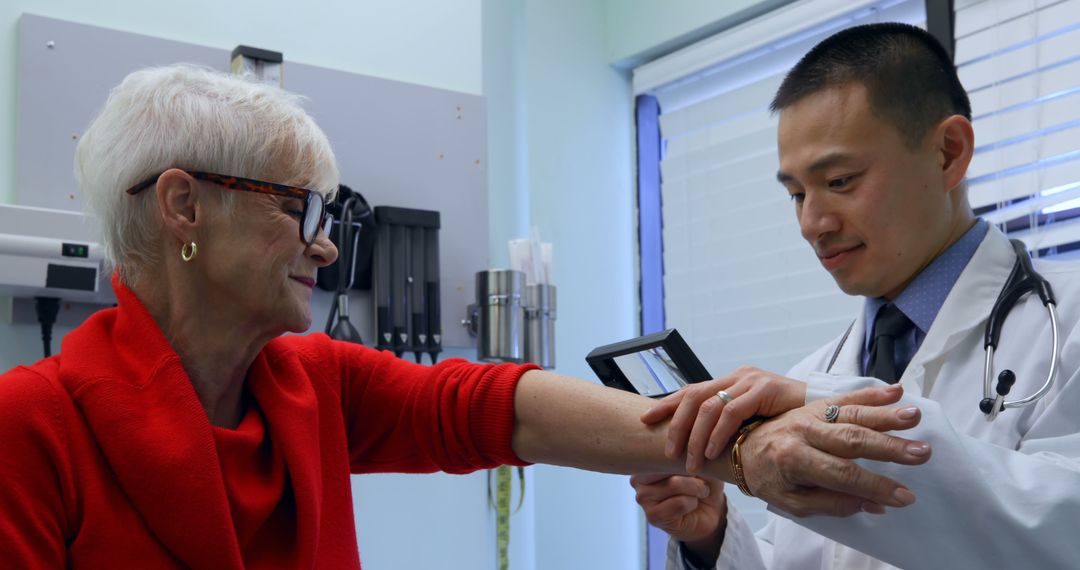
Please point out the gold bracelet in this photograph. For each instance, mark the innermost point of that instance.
(736, 458)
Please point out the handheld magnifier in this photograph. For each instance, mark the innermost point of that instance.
(653, 365)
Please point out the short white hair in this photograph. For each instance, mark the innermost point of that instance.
(197, 119)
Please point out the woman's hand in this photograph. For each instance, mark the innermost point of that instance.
(702, 424)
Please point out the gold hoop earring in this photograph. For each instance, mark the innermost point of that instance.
(188, 251)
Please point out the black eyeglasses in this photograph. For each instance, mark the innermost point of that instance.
(313, 218)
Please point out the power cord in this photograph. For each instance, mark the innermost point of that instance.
(47, 308)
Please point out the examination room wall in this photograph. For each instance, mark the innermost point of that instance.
(560, 120)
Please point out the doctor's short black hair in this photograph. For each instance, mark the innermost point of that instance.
(909, 77)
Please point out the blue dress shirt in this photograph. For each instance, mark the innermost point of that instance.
(922, 299)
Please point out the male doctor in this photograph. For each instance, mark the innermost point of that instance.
(875, 138)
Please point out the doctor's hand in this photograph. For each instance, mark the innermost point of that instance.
(693, 510)
(702, 424)
(801, 463)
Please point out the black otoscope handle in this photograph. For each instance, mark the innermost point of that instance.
(1022, 280)
(434, 313)
(399, 307)
(418, 290)
(384, 294)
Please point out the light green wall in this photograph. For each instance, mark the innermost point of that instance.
(581, 195)
(560, 119)
(641, 30)
(507, 103)
(430, 42)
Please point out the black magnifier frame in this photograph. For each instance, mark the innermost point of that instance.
(664, 357)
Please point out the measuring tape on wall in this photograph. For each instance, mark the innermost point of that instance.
(501, 504)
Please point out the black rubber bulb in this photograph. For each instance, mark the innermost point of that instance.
(1005, 382)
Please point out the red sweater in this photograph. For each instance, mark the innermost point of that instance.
(108, 460)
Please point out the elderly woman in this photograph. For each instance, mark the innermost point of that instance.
(181, 429)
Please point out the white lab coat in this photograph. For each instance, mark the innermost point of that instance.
(1004, 494)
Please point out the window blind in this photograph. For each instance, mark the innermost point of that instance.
(1020, 62)
(740, 283)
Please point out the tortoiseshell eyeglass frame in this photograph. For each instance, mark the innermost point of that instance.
(262, 187)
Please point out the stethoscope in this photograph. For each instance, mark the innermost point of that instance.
(1022, 280)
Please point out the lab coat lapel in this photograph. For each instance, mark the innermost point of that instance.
(967, 307)
(145, 416)
(290, 406)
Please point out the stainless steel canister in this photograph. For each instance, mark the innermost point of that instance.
(500, 334)
(540, 324)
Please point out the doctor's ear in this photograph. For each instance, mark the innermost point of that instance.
(955, 141)
(178, 200)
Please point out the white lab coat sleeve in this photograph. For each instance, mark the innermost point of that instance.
(820, 385)
(742, 549)
(979, 505)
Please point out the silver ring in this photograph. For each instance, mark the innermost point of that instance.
(831, 413)
(724, 396)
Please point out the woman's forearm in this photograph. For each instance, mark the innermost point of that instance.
(566, 421)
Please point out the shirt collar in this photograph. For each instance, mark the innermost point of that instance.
(922, 299)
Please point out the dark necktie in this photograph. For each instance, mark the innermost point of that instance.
(890, 324)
